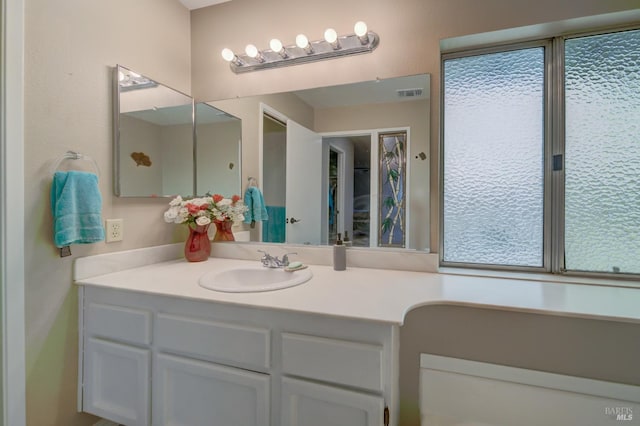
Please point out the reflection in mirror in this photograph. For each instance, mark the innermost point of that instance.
(218, 151)
(334, 175)
(153, 138)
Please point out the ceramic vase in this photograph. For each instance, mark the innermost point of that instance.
(198, 247)
(223, 231)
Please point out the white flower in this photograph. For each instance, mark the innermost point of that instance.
(200, 201)
(183, 215)
(224, 202)
(203, 220)
(171, 215)
(176, 201)
(240, 217)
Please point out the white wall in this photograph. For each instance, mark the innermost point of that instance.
(71, 47)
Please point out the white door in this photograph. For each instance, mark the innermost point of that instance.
(188, 392)
(304, 185)
(311, 404)
(116, 382)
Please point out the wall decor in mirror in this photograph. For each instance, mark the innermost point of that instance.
(164, 145)
(349, 159)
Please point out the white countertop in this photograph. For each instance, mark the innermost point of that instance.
(377, 294)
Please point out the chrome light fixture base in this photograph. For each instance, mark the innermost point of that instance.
(348, 45)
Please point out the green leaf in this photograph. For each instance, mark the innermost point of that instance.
(386, 224)
(389, 202)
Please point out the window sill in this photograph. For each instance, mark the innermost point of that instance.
(538, 276)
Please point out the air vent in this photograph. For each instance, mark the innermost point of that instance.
(409, 93)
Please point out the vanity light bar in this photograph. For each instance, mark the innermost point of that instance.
(303, 51)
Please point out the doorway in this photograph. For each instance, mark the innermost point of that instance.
(291, 161)
(334, 197)
(350, 156)
(274, 154)
(371, 190)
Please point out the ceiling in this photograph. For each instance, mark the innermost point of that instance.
(368, 92)
(197, 4)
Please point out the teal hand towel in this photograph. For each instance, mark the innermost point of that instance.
(256, 210)
(76, 205)
(273, 231)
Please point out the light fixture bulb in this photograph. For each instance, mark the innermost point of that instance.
(330, 35)
(251, 51)
(275, 45)
(360, 28)
(228, 55)
(120, 76)
(302, 41)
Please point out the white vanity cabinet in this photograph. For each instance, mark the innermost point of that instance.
(340, 364)
(148, 359)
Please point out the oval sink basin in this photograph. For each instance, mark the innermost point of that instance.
(253, 279)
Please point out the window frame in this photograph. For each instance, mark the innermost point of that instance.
(553, 261)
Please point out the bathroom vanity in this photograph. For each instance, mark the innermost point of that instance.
(159, 360)
(156, 348)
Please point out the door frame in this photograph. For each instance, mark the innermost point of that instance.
(374, 171)
(262, 110)
(340, 190)
(13, 400)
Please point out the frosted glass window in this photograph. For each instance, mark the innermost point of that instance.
(602, 164)
(494, 158)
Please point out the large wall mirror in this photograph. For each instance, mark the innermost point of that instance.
(164, 145)
(346, 159)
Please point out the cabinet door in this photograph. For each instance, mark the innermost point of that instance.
(187, 392)
(311, 404)
(116, 382)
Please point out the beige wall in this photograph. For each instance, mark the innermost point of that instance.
(600, 350)
(135, 179)
(410, 33)
(71, 46)
(218, 146)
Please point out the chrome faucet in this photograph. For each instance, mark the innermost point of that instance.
(269, 261)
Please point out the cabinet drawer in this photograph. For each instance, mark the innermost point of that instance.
(115, 322)
(226, 343)
(334, 361)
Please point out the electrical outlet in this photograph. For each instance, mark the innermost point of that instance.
(115, 230)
